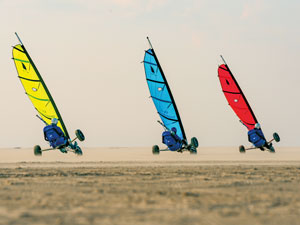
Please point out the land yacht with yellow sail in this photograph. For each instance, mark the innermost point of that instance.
(55, 131)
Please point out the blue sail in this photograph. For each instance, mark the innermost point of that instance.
(161, 93)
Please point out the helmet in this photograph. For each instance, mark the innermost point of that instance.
(174, 129)
(54, 121)
(257, 126)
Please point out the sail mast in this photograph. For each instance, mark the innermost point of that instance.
(149, 43)
(223, 60)
(19, 38)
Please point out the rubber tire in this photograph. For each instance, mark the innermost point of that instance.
(79, 135)
(272, 149)
(194, 142)
(37, 150)
(78, 151)
(155, 150)
(276, 137)
(242, 149)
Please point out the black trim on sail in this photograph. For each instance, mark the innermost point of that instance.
(28, 79)
(236, 93)
(160, 82)
(167, 117)
(18, 49)
(248, 123)
(158, 99)
(223, 68)
(150, 63)
(149, 52)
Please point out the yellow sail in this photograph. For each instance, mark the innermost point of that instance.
(35, 87)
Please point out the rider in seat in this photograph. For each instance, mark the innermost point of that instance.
(55, 135)
(172, 140)
(257, 138)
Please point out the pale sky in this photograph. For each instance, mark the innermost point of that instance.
(89, 52)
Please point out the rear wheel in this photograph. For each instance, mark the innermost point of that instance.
(242, 149)
(155, 150)
(37, 150)
(78, 151)
(79, 135)
(276, 137)
(194, 142)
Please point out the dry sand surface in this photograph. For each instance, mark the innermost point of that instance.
(131, 186)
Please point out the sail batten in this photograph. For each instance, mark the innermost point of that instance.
(21, 60)
(155, 81)
(150, 63)
(28, 79)
(40, 99)
(158, 99)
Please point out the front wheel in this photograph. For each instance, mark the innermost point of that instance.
(194, 142)
(79, 135)
(78, 151)
(242, 149)
(37, 150)
(155, 150)
(276, 137)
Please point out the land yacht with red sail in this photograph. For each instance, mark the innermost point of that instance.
(238, 102)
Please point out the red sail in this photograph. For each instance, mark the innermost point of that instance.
(235, 97)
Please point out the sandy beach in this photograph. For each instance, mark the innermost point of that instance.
(131, 186)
